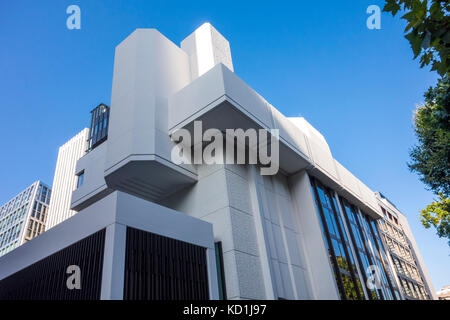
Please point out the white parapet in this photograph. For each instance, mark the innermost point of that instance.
(206, 48)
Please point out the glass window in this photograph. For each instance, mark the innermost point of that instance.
(380, 257)
(99, 126)
(220, 271)
(360, 242)
(344, 267)
(80, 180)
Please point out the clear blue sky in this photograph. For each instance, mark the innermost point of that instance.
(316, 59)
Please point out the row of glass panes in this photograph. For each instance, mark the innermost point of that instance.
(414, 290)
(402, 258)
(360, 227)
(379, 252)
(392, 217)
(7, 226)
(406, 269)
(399, 249)
(34, 229)
(39, 211)
(11, 235)
(43, 194)
(12, 221)
(395, 233)
(99, 125)
(13, 218)
(338, 246)
(9, 247)
(11, 205)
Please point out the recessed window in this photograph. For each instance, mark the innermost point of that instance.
(220, 271)
(80, 180)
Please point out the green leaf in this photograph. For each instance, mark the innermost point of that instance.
(410, 17)
(391, 6)
(415, 42)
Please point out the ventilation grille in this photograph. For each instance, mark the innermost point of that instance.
(160, 268)
(47, 278)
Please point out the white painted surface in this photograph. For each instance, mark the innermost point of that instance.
(65, 179)
(94, 185)
(206, 48)
(320, 270)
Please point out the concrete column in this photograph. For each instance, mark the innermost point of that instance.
(114, 262)
(212, 274)
(261, 235)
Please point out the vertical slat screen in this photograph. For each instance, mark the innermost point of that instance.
(161, 268)
(46, 279)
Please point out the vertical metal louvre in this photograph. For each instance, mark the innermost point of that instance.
(47, 278)
(161, 268)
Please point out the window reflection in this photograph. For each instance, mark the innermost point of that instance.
(340, 253)
(365, 239)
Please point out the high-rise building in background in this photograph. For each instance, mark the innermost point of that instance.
(407, 263)
(24, 216)
(149, 227)
(65, 180)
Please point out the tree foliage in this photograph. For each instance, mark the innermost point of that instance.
(430, 158)
(428, 30)
(437, 215)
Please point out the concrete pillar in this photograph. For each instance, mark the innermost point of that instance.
(320, 270)
(212, 274)
(261, 234)
(114, 262)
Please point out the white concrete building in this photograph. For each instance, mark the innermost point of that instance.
(65, 180)
(308, 232)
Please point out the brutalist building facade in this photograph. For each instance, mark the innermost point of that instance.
(149, 227)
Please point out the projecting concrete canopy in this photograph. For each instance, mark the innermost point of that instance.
(223, 101)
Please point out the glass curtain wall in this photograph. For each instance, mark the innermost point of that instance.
(387, 283)
(363, 237)
(340, 254)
